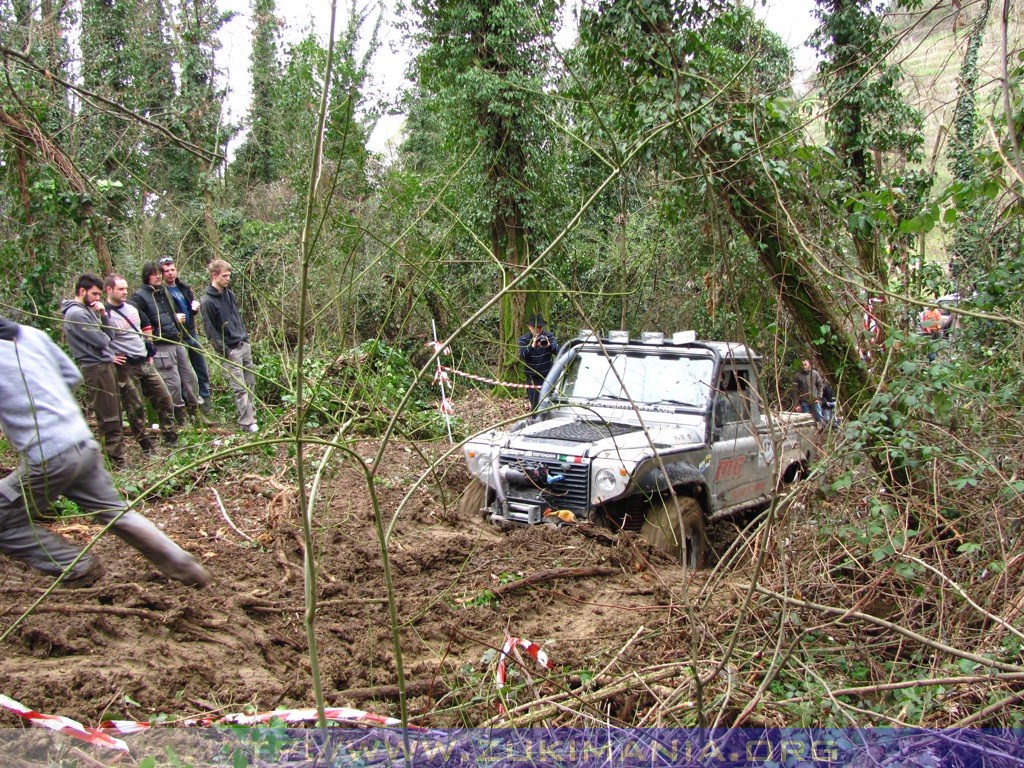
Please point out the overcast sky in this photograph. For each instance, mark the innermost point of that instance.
(790, 19)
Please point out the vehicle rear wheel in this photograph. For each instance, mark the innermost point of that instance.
(678, 532)
(473, 500)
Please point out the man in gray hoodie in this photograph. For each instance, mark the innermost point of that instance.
(89, 333)
(42, 421)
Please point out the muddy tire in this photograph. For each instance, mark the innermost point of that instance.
(662, 529)
(473, 501)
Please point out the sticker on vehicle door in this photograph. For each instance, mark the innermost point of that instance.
(730, 469)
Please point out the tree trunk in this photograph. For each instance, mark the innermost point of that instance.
(25, 134)
(26, 203)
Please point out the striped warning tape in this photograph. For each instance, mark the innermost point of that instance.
(304, 715)
(100, 737)
(486, 380)
(64, 725)
(533, 650)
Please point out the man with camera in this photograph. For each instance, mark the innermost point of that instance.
(537, 350)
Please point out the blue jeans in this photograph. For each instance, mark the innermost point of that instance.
(813, 408)
(198, 361)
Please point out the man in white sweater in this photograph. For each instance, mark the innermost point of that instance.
(42, 421)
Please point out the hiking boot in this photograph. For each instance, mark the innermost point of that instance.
(147, 445)
(180, 413)
(170, 436)
(85, 578)
(207, 409)
(195, 413)
(189, 572)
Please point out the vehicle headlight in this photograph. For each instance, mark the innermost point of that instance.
(483, 464)
(605, 480)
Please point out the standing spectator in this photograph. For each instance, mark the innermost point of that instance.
(90, 334)
(537, 350)
(828, 405)
(809, 389)
(932, 326)
(43, 423)
(185, 303)
(224, 328)
(171, 360)
(136, 376)
(931, 321)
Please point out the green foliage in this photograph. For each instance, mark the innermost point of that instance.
(481, 73)
(258, 744)
(364, 385)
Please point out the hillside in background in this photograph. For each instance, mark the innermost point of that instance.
(931, 50)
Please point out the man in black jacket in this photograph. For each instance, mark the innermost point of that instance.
(185, 303)
(537, 350)
(170, 360)
(224, 328)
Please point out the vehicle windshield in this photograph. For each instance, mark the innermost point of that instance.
(642, 378)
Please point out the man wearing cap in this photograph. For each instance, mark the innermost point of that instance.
(537, 350)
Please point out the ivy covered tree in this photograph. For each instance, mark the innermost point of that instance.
(481, 71)
(874, 133)
(197, 118)
(257, 159)
(962, 157)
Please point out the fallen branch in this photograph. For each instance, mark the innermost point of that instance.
(107, 610)
(224, 512)
(845, 613)
(421, 688)
(551, 574)
(903, 684)
(553, 703)
(990, 710)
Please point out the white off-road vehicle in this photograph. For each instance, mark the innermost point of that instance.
(656, 435)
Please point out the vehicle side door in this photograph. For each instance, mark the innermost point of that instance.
(739, 471)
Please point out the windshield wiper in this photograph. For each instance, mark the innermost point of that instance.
(670, 401)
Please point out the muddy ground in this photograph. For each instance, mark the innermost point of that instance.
(136, 646)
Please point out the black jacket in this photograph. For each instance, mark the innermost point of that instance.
(222, 321)
(186, 292)
(156, 304)
(537, 360)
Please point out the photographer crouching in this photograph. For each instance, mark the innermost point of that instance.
(537, 350)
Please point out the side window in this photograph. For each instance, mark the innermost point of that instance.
(736, 397)
(728, 400)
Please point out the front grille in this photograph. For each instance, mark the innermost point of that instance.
(572, 492)
(586, 431)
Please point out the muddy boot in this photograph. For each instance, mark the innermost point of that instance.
(197, 417)
(85, 577)
(170, 435)
(207, 410)
(147, 445)
(179, 415)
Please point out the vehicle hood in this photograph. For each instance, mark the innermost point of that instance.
(588, 436)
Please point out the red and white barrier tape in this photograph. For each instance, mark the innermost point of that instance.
(533, 650)
(100, 737)
(485, 380)
(63, 725)
(306, 715)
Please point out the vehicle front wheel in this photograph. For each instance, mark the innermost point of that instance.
(677, 531)
(473, 500)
